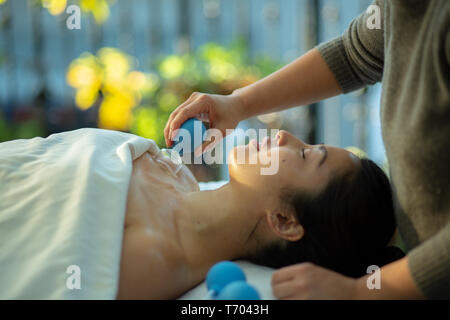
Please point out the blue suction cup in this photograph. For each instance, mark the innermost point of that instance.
(238, 290)
(190, 126)
(222, 274)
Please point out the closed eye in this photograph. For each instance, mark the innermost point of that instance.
(325, 154)
(303, 153)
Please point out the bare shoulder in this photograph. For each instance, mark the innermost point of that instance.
(152, 266)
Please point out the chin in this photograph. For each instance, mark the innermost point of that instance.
(232, 160)
(234, 166)
(232, 157)
(241, 171)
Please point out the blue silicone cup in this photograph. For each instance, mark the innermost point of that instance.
(190, 125)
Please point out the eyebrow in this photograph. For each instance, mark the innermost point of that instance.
(325, 155)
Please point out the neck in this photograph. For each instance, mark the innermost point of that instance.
(216, 225)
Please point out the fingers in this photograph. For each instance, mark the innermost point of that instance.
(284, 290)
(293, 282)
(180, 118)
(290, 272)
(169, 121)
(288, 282)
(199, 105)
(172, 116)
(203, 117)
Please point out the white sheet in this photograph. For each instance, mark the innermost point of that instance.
(62, 203)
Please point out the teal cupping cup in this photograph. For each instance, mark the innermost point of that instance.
(196, 130)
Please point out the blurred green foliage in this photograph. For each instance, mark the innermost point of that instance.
(141, 102)
(24, 130)
(210, 69)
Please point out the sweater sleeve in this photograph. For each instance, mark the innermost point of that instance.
(429, 264)
(357, 57)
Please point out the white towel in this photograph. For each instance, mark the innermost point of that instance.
(63, 203)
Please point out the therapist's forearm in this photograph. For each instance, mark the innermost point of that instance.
(396, 283)
(306, 80)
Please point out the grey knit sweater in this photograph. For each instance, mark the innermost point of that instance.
(410, 55)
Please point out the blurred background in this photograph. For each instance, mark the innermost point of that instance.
(133, 62)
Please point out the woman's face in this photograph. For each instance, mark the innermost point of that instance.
(300, 165)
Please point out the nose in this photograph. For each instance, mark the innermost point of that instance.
(285, 138)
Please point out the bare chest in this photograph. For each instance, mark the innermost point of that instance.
(153, 190)
(152, 264)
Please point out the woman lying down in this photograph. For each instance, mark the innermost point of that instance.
(99, 214)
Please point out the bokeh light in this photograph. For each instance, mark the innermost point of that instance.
(54, 7)
(140, 102)
(109, 73)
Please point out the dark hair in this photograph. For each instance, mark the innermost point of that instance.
(347, 225)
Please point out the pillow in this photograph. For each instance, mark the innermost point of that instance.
(211, 185)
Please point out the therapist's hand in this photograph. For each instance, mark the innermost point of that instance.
(308, 281)
(221, 111)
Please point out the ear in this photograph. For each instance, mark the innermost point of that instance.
(285, 225)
